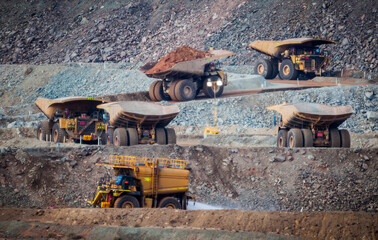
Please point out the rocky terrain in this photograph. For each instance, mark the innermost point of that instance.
(39, 32)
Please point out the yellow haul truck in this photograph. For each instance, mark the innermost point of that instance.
(134, 122)
(92, 119)
(185, 80)
(290, 57)
(144, 182)
(312, 125)
(71, 119)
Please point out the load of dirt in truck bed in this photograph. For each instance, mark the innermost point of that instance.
(180, 54)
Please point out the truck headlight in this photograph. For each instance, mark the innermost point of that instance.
(209, 84)
(219, 82)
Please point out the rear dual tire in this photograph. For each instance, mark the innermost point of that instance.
(339, 138)
(156, 92)
(165, 136)
(267, 68)
(125, 137)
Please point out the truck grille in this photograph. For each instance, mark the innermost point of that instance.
(81, 123)
(314, 63)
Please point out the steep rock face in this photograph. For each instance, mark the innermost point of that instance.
(131, 31)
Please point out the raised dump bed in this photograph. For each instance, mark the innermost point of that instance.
(312, 125)
(186, 79)
(144, 182)
(136, 122)
(71, 119)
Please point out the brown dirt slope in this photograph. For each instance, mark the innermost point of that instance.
(317, 225)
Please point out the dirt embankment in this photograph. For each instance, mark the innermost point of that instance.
(319, 225)
(245, 178)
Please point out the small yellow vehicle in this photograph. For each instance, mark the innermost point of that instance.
(290, 57)
(144, 182)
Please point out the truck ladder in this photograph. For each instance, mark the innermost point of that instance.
(155, 188)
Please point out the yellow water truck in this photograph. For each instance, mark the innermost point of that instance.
(144, 182)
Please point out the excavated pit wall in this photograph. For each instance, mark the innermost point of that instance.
(255, 178)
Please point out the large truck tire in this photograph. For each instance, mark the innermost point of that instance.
(185, 90)
(44, 130)
(274, 68)
(120, 137)
(282, 138)
(335, 138)
(126, 202)
(169, 202)
(133, 136)
(171, 135)
(172, 93)
(209, 92)
(295, 138)
(287, 70)
(308, 139)
(58, 134)
(345, 138)
(151, 91)
(161, 136)
(264, 68)
(109, 136)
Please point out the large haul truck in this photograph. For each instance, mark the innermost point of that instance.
(144, 182)
(290, 57)
(185, 80)
(93, 119)
(312, 125)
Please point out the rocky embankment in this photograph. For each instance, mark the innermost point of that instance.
(129, 31)
(245, 178)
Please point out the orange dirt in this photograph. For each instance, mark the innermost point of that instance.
(180, 54)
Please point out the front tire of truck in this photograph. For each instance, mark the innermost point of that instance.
(345, 138)
(308, 139)
(169, 202)
(282, 138)
(264, 68)
(295, 138)
(126, 202)
(161, 136)
(287, 70)
(334, 138)
(58, 134)
(120, 137)
(43, 130)
(185, 90)
(171, 136)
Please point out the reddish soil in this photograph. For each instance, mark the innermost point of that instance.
(309, 225)
(180, 54)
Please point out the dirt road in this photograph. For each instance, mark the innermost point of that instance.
(310, 225)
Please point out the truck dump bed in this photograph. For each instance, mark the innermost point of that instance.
(172, 177)
(275, 48)
(188, 68)
(132, 113)
(301, 115)
(75, 104)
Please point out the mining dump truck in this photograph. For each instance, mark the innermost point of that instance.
(134, 122)
(185, 80)
(71, 119)
(143, 182)
(312, 125)
(290, 57)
